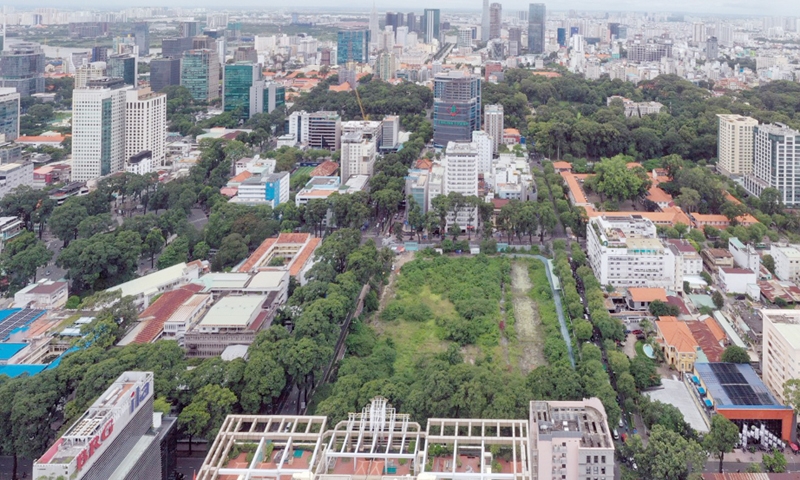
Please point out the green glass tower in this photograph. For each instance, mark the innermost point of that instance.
(200, 73)
(239, 78)
(352, 46)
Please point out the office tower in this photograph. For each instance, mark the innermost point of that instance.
(98, 128)
(189, 29)
(202, 42)
(485, 145)
(324, 131)
(22, 67)
(735, 144)
(390, 132)
(9, 113)
(699, 33)
(776, 163)
(537, 23)
(238, 79)
(217, 21)
(352, 46)
(561, 37)
(200, 73)
(411, 22)
(245, 54)
(495, 20)
(84, 73)
(374, 27)
(461, 176)
(485, 21)
(141, 32)
(386, 66)
(515, 35)
(493, 124)
(712, 48)
(123, 66)
(266, 96)
(430, 24)
(99, 54)
(392, 20)
(464, 37)
(400, 36)
(358, 155)
(146, 124)
(174, 47)
(456, 107)
(164, 72)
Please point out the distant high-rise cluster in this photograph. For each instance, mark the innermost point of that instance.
(495, 20)
(537, 23)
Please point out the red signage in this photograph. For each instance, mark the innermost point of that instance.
(94, 444)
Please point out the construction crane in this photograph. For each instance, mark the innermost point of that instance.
(361, 105)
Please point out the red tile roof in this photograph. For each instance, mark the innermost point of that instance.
(293, 237)
(324, 169)
(303, 255)
(159, 311)
(706, 340)
(40, 139)
(253, 259)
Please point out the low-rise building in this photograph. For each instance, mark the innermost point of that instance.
(143, 289)
(639, 299)
(689, 262)
(152, 320)
(267, 189)
(46, 295)
(716, 258)
(186, 316)
(735, 280)
(677, 343)
(292, 252)
(12, 175)
(140, 164)
(233, 320)
(744, 256)
(10, 227)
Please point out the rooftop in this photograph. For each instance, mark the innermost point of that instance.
(151, 282)
(677, 334)
(731, 384)
(161, 310)
(324, 169)
(647, 295)
(786, 322)
(707, 339)
(233, 311)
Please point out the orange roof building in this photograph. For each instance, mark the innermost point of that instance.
(296, 250)
(562, 166)
(701, 220)
(677, 343)
(324, 169)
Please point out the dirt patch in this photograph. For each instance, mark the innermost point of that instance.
(530, 337)
(389, 290)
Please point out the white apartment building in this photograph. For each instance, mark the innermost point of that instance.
(571, 440)
(98, 129)
(140, 164)
(461, 175)
(269, 188)
(735, 144)
(625, 251)
(776, 163)
(357, 155)
(780, 349)
(687, 261)
(787, 262)
(493, 124)
(744, 256)
(486, 148)
(84, 73)
(146, 125)
(12, 175)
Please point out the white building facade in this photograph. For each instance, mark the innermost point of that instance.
(776, 163)
(494, 124)
(735, 144)
(461, 176)
(146, 125)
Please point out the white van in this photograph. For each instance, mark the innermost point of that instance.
(616, 434)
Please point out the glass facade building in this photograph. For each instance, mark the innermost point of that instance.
(164, 72)
(537, 22)
(239, 78)
(22, 68)
(9, 113)
(456, 107)
(430, 24)
(122, 66)
(352, 46)
(200, 73)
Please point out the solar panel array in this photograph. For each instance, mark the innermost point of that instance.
(17, 320)
(737, 387)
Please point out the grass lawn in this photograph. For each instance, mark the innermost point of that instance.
(67, 322)
(639, 346)
(301, 171)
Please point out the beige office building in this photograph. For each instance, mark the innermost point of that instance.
(735, 144)
(780, 349)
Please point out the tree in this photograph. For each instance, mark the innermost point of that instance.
(65, 220)
(735, 354)
(153, 244)
(21, 258)
(662, 309)
(175, 253)
(194, 420)
(775, 463)
(769, 263)
(791, 392)
(232, 251)
(613, 179)
(644, 372)
(264, 379)
(770, 201)
(718, 299)
(722, 437)
(669, 456)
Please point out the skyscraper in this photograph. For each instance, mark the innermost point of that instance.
(712, 48)
(123, 66)
(394, 20)
(386, 66)
(266, 96)
(374, 26)
(485, 21)
(22, 67)
(352, 46)
(776, 162)
(735, 144)
(200, 73)
(239, 78)
(411, 22)
(99, 54)
(174, 47)
(461, 176)
(493, 124)
(9, 113)
(164, 72)
(146, 124)
(537, 23)
(141, 31)
(98, 128)
(495, 20)
(456, 107)
(430, 24)
(190, 29)
(561, 37)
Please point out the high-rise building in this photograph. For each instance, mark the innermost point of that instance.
(464, 37)
(485, 144)
(650, 51)
(393, 20)
(461, 176)
(537, 24)
(776, 163)
(324, 131)
(613, 30)
(699, 33)
(9, 113)
(485, 21)
(456, 107)
(780, 359)
(353, 46)
(411, 22)
(374, 27)
(493, 124)
(99, 54)
(141, 32)
(164, 72)
(390, 132)
(98, 128)
(266, 96)
(400, 37)
(190, 29)
(175, 47)
(146, 124)
(495, 20)
(84, 73)
(124, 66)
(561, 37)
(119, 436)
(712, 48)
(200, 74)
(514, 41)
(22, 67)
(239, 79)
(357, 155)
(735, 144)
(430, 24)
(386, 66)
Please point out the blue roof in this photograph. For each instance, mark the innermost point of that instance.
(17, 370)
(8, 350)
(8, 312)
(735, 385)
